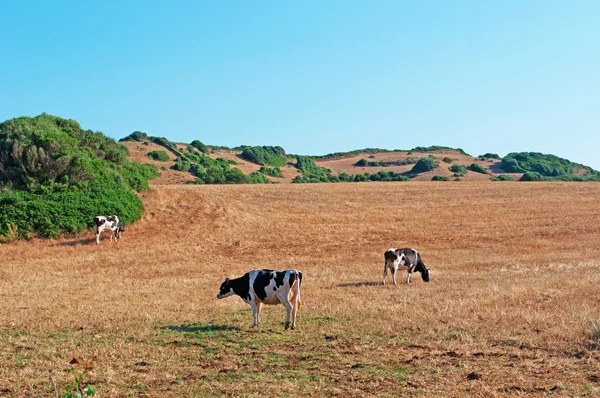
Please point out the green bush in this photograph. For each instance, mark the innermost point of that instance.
(361, 163)
(199, 146)
(265, 155)
(478, 168)
(56, 177)
(546, 165)
(437, 148)
(182, 164)
(270, 171)
(310, 171)
(489, 156)
(440, 178)
(447, 160)
(135, 136)
(504, 177)
(161, 156)
(458, 168)
(531, 176)
(424, 164)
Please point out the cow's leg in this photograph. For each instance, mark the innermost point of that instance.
(288, 307)
(295, 304)
(385, 271)
(97, 236)
(254, 313)
(408, 279)
(258, 308)
(394, 275)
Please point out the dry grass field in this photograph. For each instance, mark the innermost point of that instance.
(510, 309)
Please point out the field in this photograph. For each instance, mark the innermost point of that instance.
(512, 308)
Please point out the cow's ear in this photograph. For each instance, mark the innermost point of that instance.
(226, 279)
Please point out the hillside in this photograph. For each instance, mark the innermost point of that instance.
(338, 165)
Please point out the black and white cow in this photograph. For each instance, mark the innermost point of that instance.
(404, 258)
(111, 223)
(266, 286)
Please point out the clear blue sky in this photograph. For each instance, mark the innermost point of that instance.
(314, 77)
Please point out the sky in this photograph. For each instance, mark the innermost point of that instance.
(313, 76)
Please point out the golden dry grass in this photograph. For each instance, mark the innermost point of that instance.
(514, 292)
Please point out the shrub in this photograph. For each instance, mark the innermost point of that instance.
(546, 165)
(489, 156)
(161, 156)
(440, 178)
(270, 171)
(424, 164)
(182, 164)
(199, 146)
(504, 177)
(531, 176)
(447, 160)
(458, 168)
(361, 163)
(478, 168)
(265, 155)
(437, 148)
(55, 175)
(458, 179)
(135, 136)
(310, 170)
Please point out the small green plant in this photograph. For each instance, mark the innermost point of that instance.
(160, 156)
(440, 178)
(79, 389)
(447, 159)
(361, 163)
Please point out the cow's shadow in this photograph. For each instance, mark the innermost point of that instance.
(86, 241)
(359, 284)
(199, 329)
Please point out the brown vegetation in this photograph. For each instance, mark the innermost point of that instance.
(509, 309)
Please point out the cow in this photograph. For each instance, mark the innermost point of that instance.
(111, 223)
(258, 287)
(405, 258)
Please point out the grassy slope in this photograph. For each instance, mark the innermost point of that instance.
(138, 153)
(513, 293)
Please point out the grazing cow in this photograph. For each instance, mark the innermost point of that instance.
(405, 258)
(111, 223)
(259, 287)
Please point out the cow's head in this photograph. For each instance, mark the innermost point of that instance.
(225, 290)
(425, 275)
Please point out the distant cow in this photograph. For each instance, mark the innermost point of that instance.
(259, 287)
(111, 223)
(405, 258)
